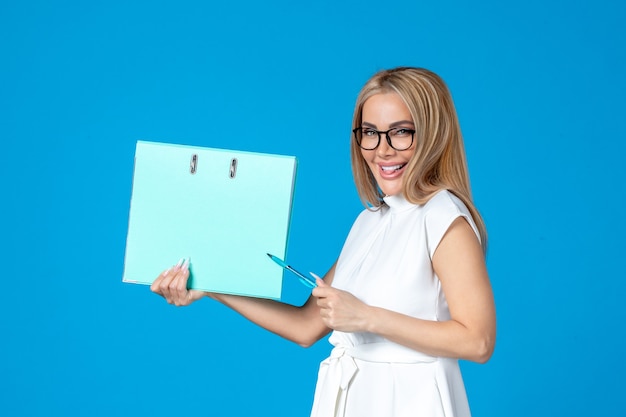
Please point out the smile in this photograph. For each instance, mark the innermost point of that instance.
(391, 172)
(392, 168)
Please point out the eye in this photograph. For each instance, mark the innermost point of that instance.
(369, 132)
(402, 131)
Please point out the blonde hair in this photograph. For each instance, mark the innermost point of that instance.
(439, 160)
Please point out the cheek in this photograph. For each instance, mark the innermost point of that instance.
(369, 161)
(368, 156)
(408, 154)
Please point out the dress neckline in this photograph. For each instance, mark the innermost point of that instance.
(398, 203)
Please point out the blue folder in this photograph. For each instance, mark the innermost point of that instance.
(224, 209)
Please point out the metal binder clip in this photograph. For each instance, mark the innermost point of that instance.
(193, 165)
(233, 168)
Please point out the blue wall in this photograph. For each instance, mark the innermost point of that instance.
(539, 89)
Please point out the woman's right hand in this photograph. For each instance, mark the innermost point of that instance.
(171, 284)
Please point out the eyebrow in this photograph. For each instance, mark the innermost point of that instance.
(392, 125)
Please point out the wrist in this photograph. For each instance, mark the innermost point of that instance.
(371, 319)
(212, 295)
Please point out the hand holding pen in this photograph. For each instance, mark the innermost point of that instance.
(339, 310)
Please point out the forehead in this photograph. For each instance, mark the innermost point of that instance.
(385, 108)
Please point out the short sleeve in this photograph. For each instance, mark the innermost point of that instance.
(441, 211)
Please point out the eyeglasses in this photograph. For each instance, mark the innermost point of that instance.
(399, 138)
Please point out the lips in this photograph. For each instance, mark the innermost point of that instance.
(391, 167)
(391, 171)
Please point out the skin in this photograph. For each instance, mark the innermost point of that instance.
(458, 262)
(383, 112)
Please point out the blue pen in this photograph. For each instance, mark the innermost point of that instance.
(303, 278)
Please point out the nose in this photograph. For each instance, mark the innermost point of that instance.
(384, 149)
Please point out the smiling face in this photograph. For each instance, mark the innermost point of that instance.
(383, 112)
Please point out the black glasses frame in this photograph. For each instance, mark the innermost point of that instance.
(379, 132)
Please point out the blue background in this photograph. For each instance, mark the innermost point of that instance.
(539, 87)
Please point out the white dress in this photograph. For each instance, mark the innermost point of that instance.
(386, 262)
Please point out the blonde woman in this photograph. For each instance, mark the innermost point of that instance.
(409, 294)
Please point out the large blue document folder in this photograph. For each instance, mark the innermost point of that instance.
(224, 209)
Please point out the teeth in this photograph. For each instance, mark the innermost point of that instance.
(391, 168)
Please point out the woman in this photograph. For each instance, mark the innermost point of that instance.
(409, 294)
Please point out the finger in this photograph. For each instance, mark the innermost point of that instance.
(163, 287)
(321, 291)
(322, 303)
(179, 285)
(154, 287)
(174, 285)
(320, 282)
(166, 282)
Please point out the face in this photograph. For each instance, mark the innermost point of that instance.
(383, 112)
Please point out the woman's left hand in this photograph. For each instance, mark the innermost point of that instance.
(340, 310)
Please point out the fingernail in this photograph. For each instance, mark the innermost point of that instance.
(180, 263)
(185, 264)
(314, 275)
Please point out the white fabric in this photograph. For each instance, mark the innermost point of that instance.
(386, 262)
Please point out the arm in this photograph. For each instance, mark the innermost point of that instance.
(302, 325)
(469, 334)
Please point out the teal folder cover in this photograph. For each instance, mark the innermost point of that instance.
(224, 209)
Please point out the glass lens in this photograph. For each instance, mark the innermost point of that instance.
(367, 138)
(401, 138)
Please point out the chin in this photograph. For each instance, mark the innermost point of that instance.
(389, 191)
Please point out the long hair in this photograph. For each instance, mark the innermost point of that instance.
(439, 160)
